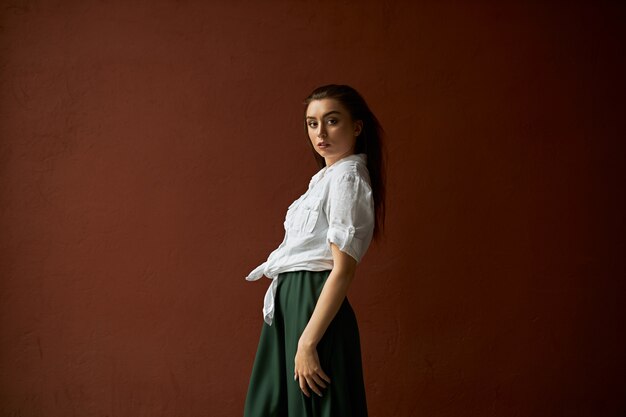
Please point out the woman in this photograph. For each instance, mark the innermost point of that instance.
(308, 361)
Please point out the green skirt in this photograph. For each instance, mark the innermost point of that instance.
(272, 391)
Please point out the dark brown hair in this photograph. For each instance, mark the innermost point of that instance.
(369, 141)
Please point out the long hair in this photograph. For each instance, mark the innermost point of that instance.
(369, 142)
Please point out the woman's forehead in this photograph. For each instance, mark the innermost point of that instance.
(323, 107)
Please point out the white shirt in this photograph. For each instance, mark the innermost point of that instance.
(338, 207)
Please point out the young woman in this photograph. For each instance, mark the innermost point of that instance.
(308, 361)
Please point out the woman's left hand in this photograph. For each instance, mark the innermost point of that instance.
(308, 371)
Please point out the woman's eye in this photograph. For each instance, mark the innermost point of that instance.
(312, 124)
(332, 121)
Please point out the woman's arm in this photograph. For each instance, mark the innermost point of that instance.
(307, 365)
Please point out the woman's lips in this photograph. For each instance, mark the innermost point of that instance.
(323, 145)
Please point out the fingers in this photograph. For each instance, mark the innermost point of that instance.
(303, 386)
(312, 381)
(323, 375)
(314, 387)
(319, 381)
(308, 372)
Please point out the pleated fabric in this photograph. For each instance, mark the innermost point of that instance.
(272, 391)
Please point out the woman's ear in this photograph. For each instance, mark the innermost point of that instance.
(358, 127)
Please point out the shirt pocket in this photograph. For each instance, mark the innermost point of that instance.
(302, 217)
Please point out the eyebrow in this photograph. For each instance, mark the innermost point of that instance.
(325, 114)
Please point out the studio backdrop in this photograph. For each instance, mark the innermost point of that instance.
(149, 151)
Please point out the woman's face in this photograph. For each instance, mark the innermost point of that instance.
(331, 130)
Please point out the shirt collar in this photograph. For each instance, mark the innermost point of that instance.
(359, 157)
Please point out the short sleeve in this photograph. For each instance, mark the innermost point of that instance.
(350, 212)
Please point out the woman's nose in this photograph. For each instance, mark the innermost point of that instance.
(321, 132)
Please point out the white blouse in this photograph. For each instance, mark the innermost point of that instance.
(338, 207)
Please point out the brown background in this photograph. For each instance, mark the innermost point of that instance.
(148, 152)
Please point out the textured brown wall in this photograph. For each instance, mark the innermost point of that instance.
(148, 152)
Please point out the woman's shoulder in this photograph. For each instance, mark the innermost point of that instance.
(350, 170)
